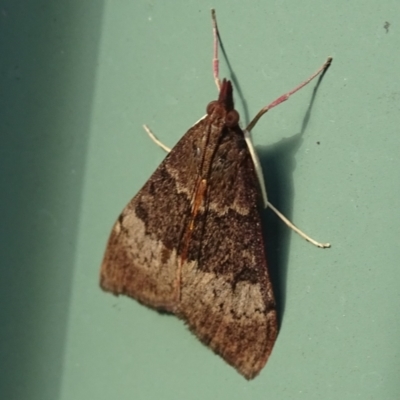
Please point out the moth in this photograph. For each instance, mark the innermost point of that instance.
(190, 242)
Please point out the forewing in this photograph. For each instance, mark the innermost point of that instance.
(141, 258)
(226, 294)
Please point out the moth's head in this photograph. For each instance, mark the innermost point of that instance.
(223, 107)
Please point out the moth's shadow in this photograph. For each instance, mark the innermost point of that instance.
(278, 163)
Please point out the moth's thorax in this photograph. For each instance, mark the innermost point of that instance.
(221, 118)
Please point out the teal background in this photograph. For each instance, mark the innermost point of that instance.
(78, 79)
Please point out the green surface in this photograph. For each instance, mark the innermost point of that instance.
(77, 81)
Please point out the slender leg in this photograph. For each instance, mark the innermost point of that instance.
(155, 140)
(297, 230)
(257, 167)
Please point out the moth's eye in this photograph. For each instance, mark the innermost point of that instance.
(232, 118)
(211, 106)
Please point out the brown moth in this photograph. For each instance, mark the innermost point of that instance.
(190, 242)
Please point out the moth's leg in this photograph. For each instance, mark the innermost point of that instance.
(296, 229)
(257, 166)
(285, 96)
(155, 140)
(216, 44)
(260, 177)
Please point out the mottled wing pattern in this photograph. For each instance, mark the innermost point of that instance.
(141, 258)
(226, 294)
